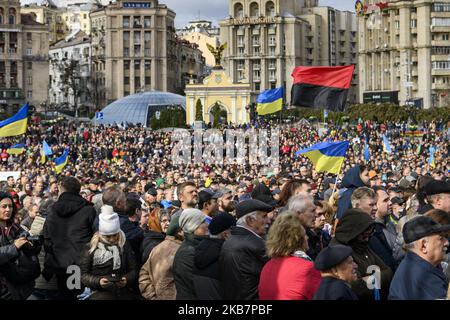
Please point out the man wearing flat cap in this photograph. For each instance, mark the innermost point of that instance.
(338, 270)
(438, 195)
(419, 276)
(244, 255)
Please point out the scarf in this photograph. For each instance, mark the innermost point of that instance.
(104, 253)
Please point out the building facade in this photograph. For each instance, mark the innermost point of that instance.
(24, 65)
(135, 48)
(64, 20)
(267, 39)
(70, 75)
(201, 32)
(404, 52)
(191, 61)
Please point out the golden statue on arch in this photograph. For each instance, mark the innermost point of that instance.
(217, 52)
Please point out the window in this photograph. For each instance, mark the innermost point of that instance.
(441, 7)
(238, 10)
(270, 9)
(255, 40)
(272, 51)
(256, 51)
(85, 16)
(445, 37)
(126, 36)
(126, 80)
(397, 25)
(137, 65)
(148, 64)
(12, 16)
(137, 82)
(440, 50)
(441, 65)
(29, 51)
(240, 51)
(272, 64)
(147, 22)
(137, 22)
(257, 86)
(148, 81)
(29, 94)
(254, 10)
(413, 23)
(30, 80)
(126, 64)
(29, 36)
(29, 65)
(147, 36)
(240, 75)
(241, 40)
(126, 52)
(272, 41)
(137, 37)
(440, 22)
(272, 76)
(241, 64)
(126, 22)
(147, 52)
(256, 75)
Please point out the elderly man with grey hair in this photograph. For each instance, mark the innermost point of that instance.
(419, 276)
(244, 255)
(303, 205)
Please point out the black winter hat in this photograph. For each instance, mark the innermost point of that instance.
(353, 223)
(436, 187)
(221, 222)
(420, 227)
(331, 256)
(249, 206)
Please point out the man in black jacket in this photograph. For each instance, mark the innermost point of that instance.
(206, 260)
(67, 230)
(243, 256)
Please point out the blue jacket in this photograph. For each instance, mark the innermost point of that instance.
(417, 279)
(351, 182)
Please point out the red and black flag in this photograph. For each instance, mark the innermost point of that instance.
(321, 87)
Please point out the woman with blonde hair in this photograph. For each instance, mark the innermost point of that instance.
(108, 267)
(290, 274)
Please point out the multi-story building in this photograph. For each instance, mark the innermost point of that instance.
(23, 58)
(267, 39)
(191, 61)
(71, 83)
(135, 48)
(49, 14)
(404, 49)
(201, 32)
(64, 20)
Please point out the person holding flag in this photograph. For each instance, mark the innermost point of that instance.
(386, 145)
(62, 161)
(16, 125)
(270, 101)
(16, 149)
(431, 160)
(45, 151)
(327, 156)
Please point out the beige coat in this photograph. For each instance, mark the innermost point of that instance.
(156, 279)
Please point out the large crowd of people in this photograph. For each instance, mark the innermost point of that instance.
(133, 225)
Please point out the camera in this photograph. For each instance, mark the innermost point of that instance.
(34, 240)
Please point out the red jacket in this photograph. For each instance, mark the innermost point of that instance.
(288, 278)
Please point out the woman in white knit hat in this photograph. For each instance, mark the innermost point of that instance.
(108, 267)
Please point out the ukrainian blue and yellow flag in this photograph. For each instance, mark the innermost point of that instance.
(16, 125)
(386, 145)
(431, 160)
(62, 161)
(366, 152)
(16, 149)
(327, 156)
(270, 101)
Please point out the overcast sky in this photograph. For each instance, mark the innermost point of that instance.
(215, 10)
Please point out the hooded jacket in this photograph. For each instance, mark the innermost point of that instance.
(207, 270)
(67, 230)
(351, 182)
(348, 229)
(183, 265)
